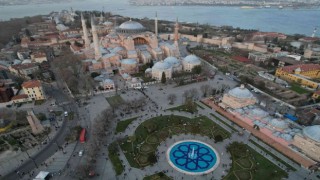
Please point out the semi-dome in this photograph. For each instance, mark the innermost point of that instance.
(173, 61)
(240, 92)
(312, 132)
(128, 61)
(161, 65)
(277, 123)
(192, 59)
(131, 25)
(148, 70)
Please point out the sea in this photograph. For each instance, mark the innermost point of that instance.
(288, 21)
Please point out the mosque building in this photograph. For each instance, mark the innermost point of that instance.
(126, 47)
(238, 97)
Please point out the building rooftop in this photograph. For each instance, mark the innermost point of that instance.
(301, 67)
(31, 84)
(312, 132)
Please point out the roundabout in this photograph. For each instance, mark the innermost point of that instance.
(193, 157)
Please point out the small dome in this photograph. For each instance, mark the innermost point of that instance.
(128, 61)
(257, 112)
(312, 132)
(281, 124)
(192, 59)
(131, 25)
(107, 23)
(173, 61)
(241, 92)
(27, 61)
(148, 70)
(161, 65)
(108, 81)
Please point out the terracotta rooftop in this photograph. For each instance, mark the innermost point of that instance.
(23, 66)
(31, 84)
(303, 67)
(21, 96)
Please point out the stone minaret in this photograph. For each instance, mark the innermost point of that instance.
(97, 53)
(101, 18)
(156, 25)
(176, 33)
(85, 32)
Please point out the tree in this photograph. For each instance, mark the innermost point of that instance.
(194, 93)
(172, 98)
(204, 89)
(197, 69)
(218, 138)
(163, 78)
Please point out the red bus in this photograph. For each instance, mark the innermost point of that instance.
(82, 137)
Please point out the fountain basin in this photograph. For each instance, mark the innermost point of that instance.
(193, 157)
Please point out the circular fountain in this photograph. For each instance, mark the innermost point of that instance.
(193, 157)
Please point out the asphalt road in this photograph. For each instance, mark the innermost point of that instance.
(58, 139)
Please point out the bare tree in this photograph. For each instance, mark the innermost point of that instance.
(194, 93)
(172, 98)
(205, 89)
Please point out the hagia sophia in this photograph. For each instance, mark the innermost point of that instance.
(243, 104)
(127, 47)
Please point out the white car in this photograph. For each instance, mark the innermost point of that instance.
(80, 153)
(65, 113)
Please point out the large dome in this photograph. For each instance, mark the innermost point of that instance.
(161, 65)
(192, 59)
(131, 25)
(240, 92)
(173, 61)
(312, 132)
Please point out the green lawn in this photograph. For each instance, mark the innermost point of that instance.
(297, 88)
(158, 176)
(274, 156)
(122, 125)
(114, 101)
(140, 148)
(248, 164)
(113, 155)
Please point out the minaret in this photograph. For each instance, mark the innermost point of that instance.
(85, 32)
(176, 38)
(101, 18)
(176, 33)
(97, 53)
(156, 25)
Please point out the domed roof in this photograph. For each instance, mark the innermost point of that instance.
(131, 25)
(128, 61)
(172, 60)
(161, 65)
(192, 59)
(257, 112)
(312, 132)
(278, 123)
(107, 23)
(148, 70)
(108, 81)
(240, 92)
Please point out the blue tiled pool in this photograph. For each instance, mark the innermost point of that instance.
(192, 157)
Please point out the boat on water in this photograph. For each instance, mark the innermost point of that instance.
(280, 7)
(247, 7)
(267, 6)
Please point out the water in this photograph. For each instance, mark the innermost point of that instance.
(192, 157)
(288, 21)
